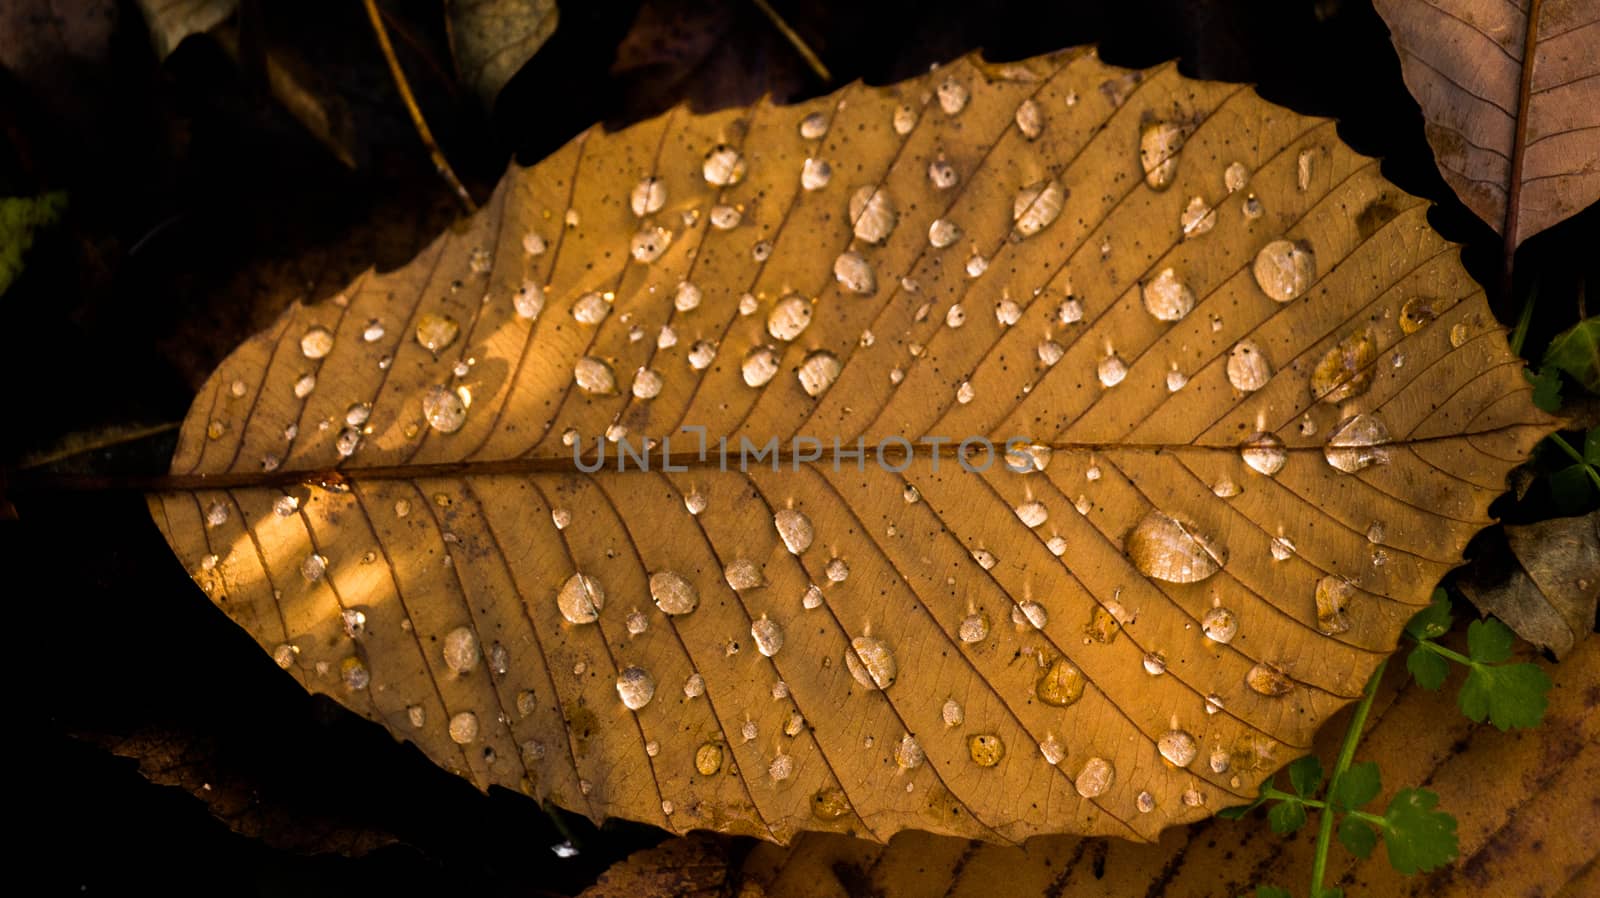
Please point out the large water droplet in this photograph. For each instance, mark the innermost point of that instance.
(952, 96)
(1264, 453)
(1159, 145)
(1284, 270)
(986, 749)
(443, 409)
(461, 650)
(581, 599)
(723, 166)
(1037, 207)
(1061, 684)
(871, 662)
(435, 333)
(1112, 370)
(760, 365)
(1168, 298)
(1333, 597)
(316, 343)
(854, 273)
(1357, 442)
(768, 636)
(794, 528)
(1095, 778)
(818, 372)
(464, 728)
(789, 318)
(1248, 368)
(594, 376)
(1177, 747)
(635, 687)
(815, 173)
(943, 232)
(873, 214)
(743, 574)
(974, 628)
(1029, 119)
(1346, 370)
(672, 593)
(1167, 547)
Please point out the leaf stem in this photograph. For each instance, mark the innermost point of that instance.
(1520, 335)
(795, 40)
(1438, 649)
(1347, 754)
(1576, 456)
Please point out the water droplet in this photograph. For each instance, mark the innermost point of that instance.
(781, 768)
(908, 754)
(635, 687)
(1037, 207)
(708, 758)
(1070, 311)
(694, 502)
(818, 372)
(1346, 369)
(1032, 514)
(1220, 625)
(316, 343)
(1095, 778)
(871, 662)
(760, 365)
(815, 174)
(1193, 798)
(672, 593)
(749, 731)
(1248, 368)
(1030, 121)
(723, 166)
(1007, 312)
(1050, 352)
(743, 574)
(647, 383)
(1167, 547)
(302, 387)
(794, 528)
(1282, 548)
(464, 728)
(725, 218)
(1420, 311)
(768, 636)
(976, 265)
(854, 273)
(694, 686)
(1030, 614)
(637, 623)
(1197, 218)
(829, 804)
(1145, 802)
(1112, 370)
(1159, 145)
(965, 393)
(313, 567)
(942, 174)
(1213, 703)
(594, 376)
(581, 599)
(812, 598)
(1284, 270)
(1225, 488)
(648, 245)
(1057, 546)
(974, 628)
(789, 318)
(686, 297)
(985, 559)
(1168, 298)
(1251, 209)
(873, 214)
(1235, 177)
(1264, 453)
(1269, 680)
(1155, 664)
(1357, 442)
(1333, 597)
(702, 354)
(905, 118)
(1177, 747)
(435, 333)
(461, 650)
(952, 96)
(951, 713)
(837, 570)
(1061, 684)
(649, 195)
(986, 749)
(1305, 167)
(813, 126)
(1103, 626)
(443, 409)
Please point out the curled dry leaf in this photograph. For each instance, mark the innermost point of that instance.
(1547, 587)
(1511, 95)
(385, 488)
(492, 39)
(1516, 795)
(171, 21)
(692, 867)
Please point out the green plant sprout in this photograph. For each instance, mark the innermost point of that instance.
(1417, 836)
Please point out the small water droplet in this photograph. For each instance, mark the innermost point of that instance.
(635, 687)
(1197, 218)
(461, 650)
(316, 343)
(1030, 614)
(1251, 209)
(701, 354)
(1145, 802)
(649, 195)
(1176, 380)
(1167, 298)
(464, 728)
(724, 217)
(942, 174)
(813, 126)
(1095, 778)
(1264, 452)
(723, 166)
(1333, 597)
(303, 386)
(942, 233)
(581, 599)
(908, 754)
(1159, 145)
(1420, 311)
(1057, 546)
(1029, 119)
(854, 273)
(1032, 514)
(812, 597)
(708, 758)
(1037, 207)
(1248, 368)
(986, 749)
(1305, 167)
(815, 173)
(742, 574)
(694, 502)
(1235, 177)
(443, 409)
(781, 768)
(594, 376)
(435, 333)
(637, 623)
(1284, 270)
(818, 372)
(1269, 679)
(789, 318)
(871, 662)
(312, 568)
(974, 628)
(1213, 703)
(533, 244)
(1220, 625)
(976, 265)
(873, 214)
(905, 118)
(1225, 488)
(985, 559)
(672, 593)
(794, 528)
(1061, 684)
(647, 383)
(952, 714)
(648, 245)
(965, 393)
(1070, 311)
(1112, 370)
(1155, 664)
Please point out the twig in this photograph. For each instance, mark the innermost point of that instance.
(796, 41)
(439, 162)
(105, 442)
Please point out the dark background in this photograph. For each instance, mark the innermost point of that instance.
(199, 208)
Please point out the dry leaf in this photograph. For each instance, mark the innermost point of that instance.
(491, 39)
(1547, 588)
(171, 21)
(1516, 796)
(1254, 439)
(692, 867)
(1511, 95)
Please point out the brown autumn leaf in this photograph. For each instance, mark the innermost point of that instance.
(1515, 796)
(170, 21)
(1259, 410)
(492, 39)
(694, 866)
(1545, 585)
(1510, 90)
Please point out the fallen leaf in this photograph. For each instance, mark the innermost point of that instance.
(692, 867)
(1576, 351)
(1515, 797)
(491, 39)
(1252, 430)
(170, 21)
(1511, 96)
(1547, 588)
(21, 218)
